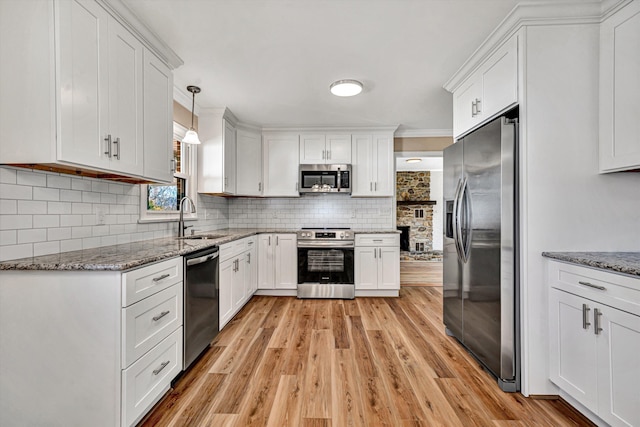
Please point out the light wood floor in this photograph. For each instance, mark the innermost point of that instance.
(365, 362)
(421, 273)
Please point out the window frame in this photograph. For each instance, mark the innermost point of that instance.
(189, 165)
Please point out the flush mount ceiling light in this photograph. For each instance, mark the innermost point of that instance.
(346, 87)
(414, 160)
(191, 137)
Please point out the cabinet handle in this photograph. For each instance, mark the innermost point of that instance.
(160, 316)
(269, 240)
(116, 143)
(322, 154)
(591, 285)
(277, 240)
(375, 253)
(380, 252)
(596, 320)
(375, 186)
(248, 258)
(478, 104)
(473, 109)
(108, 141)
(259, 186)
(585, 316)
(164, 276)
(328, 154)
(162, 366)
(172, 165)
(371, 186)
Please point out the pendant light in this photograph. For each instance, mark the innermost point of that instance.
(191, 137)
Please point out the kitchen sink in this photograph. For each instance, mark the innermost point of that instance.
(202, 237)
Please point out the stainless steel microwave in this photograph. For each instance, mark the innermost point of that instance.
(315, 179)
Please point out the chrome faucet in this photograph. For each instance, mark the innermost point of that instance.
(181, 226)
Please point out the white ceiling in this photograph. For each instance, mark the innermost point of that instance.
(425, 164)
(272, 61)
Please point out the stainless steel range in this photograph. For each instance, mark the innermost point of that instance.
(326, 263)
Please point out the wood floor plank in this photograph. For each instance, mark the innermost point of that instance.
(239, 381)
(283, 333)
(287, 405)
(346, 396)
(395, 380)
(362, 349)
(317, 384)
(277, 313)
(378, 410)
(421, 273)
(339, 326)
(199, 406)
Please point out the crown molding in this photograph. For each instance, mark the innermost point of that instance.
(532, 14)
(125, 16)
(423, 133)
(328, 129)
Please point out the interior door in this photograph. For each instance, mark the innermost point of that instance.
(452, 268)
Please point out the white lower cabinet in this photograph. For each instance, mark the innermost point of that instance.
(594, 336)
(237, 283)
(377, 262)
(95, 348)
(277, 261)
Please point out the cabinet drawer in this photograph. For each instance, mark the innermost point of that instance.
(148, 322)
(378, 239)
(145, 281)
(616, 290)
(144, 382)
(229, 250)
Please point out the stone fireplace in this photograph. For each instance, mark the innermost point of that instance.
(414, 213)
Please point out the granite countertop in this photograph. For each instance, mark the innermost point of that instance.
(131, 255)
(616, 262)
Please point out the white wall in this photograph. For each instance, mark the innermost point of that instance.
(329, 210)
(567, 205)
(44, 213)
(436, 194)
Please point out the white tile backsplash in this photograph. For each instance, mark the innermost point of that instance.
(43, 213)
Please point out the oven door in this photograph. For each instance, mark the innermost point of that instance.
(325, 265)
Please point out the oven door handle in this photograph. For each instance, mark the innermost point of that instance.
(326, 245)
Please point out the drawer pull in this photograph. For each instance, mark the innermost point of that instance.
(160, 316)
(164, 276)
(591, 285)
(596, 320)
(377, 240)
(585, 316)
(162, 366)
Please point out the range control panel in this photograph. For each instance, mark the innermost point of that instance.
(326, 234)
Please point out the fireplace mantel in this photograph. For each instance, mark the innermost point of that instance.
(415, 202)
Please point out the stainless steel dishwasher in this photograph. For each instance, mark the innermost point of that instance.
(201, 302)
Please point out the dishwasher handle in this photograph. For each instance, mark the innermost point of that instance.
(200, 260)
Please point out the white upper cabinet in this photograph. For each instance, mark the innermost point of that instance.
(280, 164)
(158, 119)
(94, 103)
(490, 90)
(620, 90)
(248, 163)
(325, 149)
(217, 153)
(372, 167)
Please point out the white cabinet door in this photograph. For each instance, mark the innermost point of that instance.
(248, 163)
(286, 261)
(618, 367)
(84, 86)
(619, 89)
(265, 262)
(251, 272)
(361, 168)
(573, 358)
(312, 149)
(226, 277)
(125, 100)
(238, 287)
(281, 165)
(338, 149)
(229, 168)
(388, 268)
(465, 115)
(384, 182)
(366, 267)
(499, 81)
(158, 119)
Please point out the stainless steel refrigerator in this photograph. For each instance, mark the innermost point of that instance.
(480, 270)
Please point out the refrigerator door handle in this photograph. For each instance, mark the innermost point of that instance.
(456, 218)
(465, 249)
